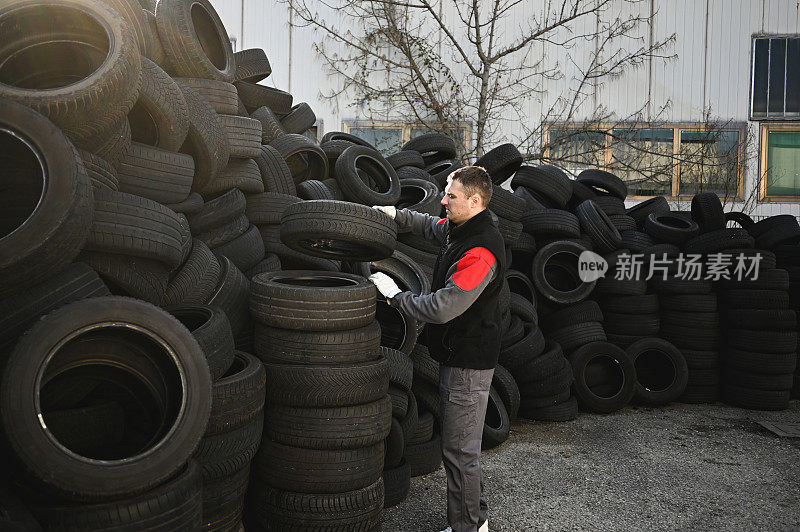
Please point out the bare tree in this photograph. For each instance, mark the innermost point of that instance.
(442, 63)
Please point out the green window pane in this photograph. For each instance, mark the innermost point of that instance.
(575, 151)
(783, 163)
(709, 162)
(386, 140)
(643, 159)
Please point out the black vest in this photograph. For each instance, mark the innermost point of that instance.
(471, 340)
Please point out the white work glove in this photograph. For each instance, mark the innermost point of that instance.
(385, 284)
(388, 210)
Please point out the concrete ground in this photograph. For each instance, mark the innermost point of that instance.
(680, 467)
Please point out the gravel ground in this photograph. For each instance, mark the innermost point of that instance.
(681, 467)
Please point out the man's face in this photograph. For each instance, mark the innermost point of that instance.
(458, 206)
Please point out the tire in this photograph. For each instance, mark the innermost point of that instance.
(689, 302)
(661, 371)
(501, 162)
(346, 346)
(626, 287)
(211, 329)
(132, 225)
(419, 195)
(87, 108)
(271, 263)
(519, 284)
(707, 212)
(693, 319)
(718, 241)
(424, 430)
(207, 140)
(506, 205)
(221, 455)
(223, 500)
(311, 189)
(357, 160)
(440, 170)
(224, 234)
(497, 423)
(271, 127)
(644, 304)
(743, 220)
(338, 230)
(399, 401)
(82, 478)
(397, 482)
(274, 173)
(433, 147)
(394, 445)
(356, 511)
(764, 320)
(401, 368)
(554, 186)
(299, 119)
(191, 205)
(574, 336)
(218, 212)
(309, 300)
(614, 208)
(623, 391)
(196, 280)
(305, 159)
(245, 251)
(344, 427)
(267, 208)
(130, 276)
(554, 382)
(255, 96)
(642, 210)
(78, 281)
(775, 279)
(230, 295)
(100, 172)
(560, 255)
(156, 174)
(635, 241)
(160, 117)
(755, 299)
(758, 381)
(521, 352)
(670, 228)
(251, 65)
(550, 222)
(291, 259)
(762, 341)
(222, 95)
(583, 312)
(761, 362)
(605, 181)
(195, 40)
(318, 471)
(44, 230)
(676, 285)
(623, 223)
(424, 457)
(507, 389)
(754, 399)
(598, 226)
(244, 136)
(406, 158)
(327, 386)
(238, 396)
(176, 504)
(564, 411)
(399, 330)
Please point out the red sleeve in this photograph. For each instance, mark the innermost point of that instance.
(473, 268)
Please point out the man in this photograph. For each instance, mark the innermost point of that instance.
(463, 331)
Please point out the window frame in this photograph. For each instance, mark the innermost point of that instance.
(763, 158)
(677, 127)
(405, 127)
(767, 115)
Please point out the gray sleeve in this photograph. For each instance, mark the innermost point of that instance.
(431, 227)
(449, 301)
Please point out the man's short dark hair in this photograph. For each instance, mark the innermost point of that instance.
(475, 180)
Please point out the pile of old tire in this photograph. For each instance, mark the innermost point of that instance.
(104, 401)
(234, 428)
(328, 413)
(396, 468)
(788, 258)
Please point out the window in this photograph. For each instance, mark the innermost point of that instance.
(780, 162)
(388, 137)
(670, 160)
(775, 89)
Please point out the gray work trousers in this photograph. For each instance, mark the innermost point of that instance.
(463, 396)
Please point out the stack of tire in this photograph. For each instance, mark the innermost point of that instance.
(234, 429)
(788, 258)
(396, 468)
(328, 413)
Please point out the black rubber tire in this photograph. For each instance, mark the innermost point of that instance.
(333, 136)
(305, 159)
(114, 143)
(598, 226)
(130, 276)
(758, 381)
(252, 65)
(160, 117)
(643, 304)
(554, 186)
(311, 189)
(344, 427)
(401, 368)
(100, 172)
(310, 300)
(689, 302)
(506, 205)
(195, 40)
(622, 393)
(605, 181)
(17, 313)
(523, 308)
(743, 220)
(406, 158)
(612, 206)
(355, 511)
(501, 162)
(700, 359)
(224, 453)
(583, 312)
(218, 212)
(354, 165)
(642, 210)
(670, 228)
(441, 169)
(636, 241)
(81, 478)
(222, 95)
(267, 208)
(394, 445)
(399, 399)
(207, 140)
(156, 52)
(291, 259)
(520, 284)
(654, 384)
(507, 389)
(173, 505)
(419, 195)
(718, 240)
(754, 399)
(274, 173)
(132, 225)
(764, 320)
(520, 353)
(397, 482)
(754, 299)
(211, 329)
(271, 127)
(225, 233)
(610, 286)
(677, 285)
(690, 319)
(555, 380)
(333, 150)
(433, 147)
(155, 173)
(85, 109)
(550, 257)
(762, 341)
(230, 295)
(238, 395)
(245, 251)
(338, 230)
(550, 222)
(255, 96)
(564, 411)
(623, 222)
(191, 205)
(576, 335)
(271, 263)
(425, 457)
(497, 424)
(299, 119)
(328, 385)
(290, 468)
(223, 500)
(196, 280)
(759, 361)
(707, 212)
(244, 136)
(425, 429)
